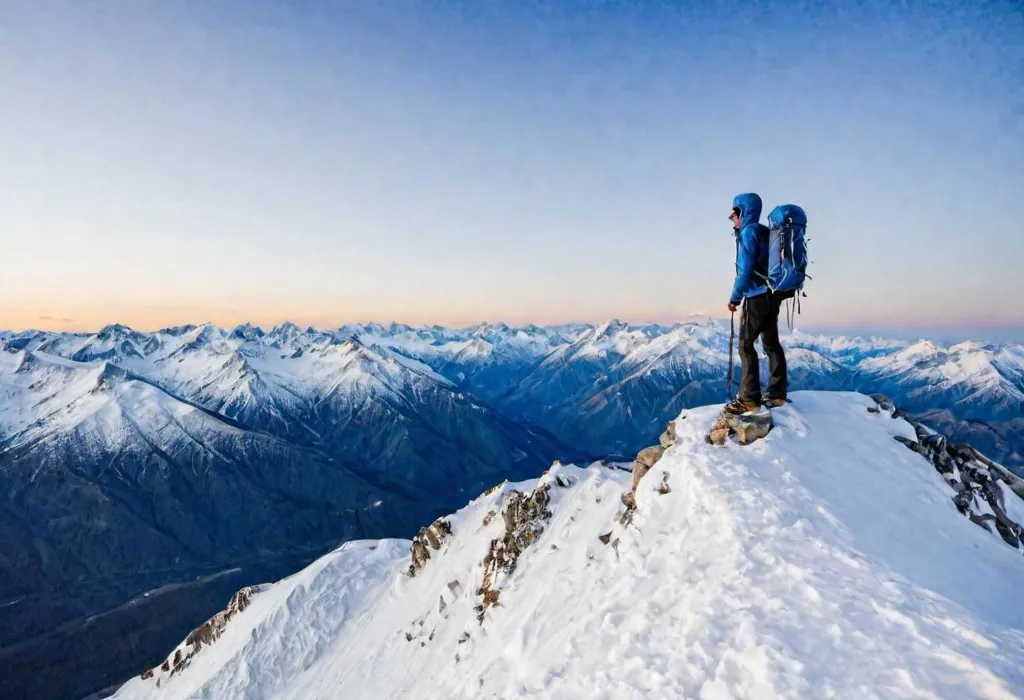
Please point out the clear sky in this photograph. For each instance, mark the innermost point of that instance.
(451, 162)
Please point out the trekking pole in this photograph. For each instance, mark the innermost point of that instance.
(732, 339)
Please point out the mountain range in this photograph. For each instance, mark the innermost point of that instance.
(140, 469)
(826, 560)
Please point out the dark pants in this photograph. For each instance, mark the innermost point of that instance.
(761, 318)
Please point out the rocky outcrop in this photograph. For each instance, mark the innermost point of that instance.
(668, 438)
(204, 635)
(973, 477)
(524, 516)
(429, 538)
(644, 462)
(747, 428)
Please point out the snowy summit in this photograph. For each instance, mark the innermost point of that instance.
(824, 560)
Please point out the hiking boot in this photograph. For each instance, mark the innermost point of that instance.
(775, 403)
(738, 406)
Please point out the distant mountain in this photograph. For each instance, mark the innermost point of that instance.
(103, 474)
(969, 379)
(188, 453)
(133, 460)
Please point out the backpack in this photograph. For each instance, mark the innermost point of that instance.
(787, 250)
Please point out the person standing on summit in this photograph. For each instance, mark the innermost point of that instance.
(760, 314)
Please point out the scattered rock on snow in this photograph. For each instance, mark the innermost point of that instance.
(663, 487)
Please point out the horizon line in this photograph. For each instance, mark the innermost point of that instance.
(857, 329)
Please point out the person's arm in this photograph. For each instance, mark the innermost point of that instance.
(746, 255)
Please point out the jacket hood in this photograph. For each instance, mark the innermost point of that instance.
(749, 205)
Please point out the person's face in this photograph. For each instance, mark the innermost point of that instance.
(734, 217)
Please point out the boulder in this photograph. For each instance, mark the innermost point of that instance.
(747, 428)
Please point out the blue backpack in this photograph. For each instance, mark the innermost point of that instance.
(787, 249)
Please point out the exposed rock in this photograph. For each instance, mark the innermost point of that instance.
(206, 634)
(524, 518)
(747, 428)
(645, 460)
(964, 451)
(431, 537)
(663, 487)
(668, 438)
(605, 538)
(489, 517)
(718, 436)
(649, 456)
(973, 477)
(886, 405)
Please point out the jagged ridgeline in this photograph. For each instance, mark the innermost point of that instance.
(819, 557)
(147, 476)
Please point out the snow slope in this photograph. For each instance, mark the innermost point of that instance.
(826, 560)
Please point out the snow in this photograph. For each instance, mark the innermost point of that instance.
(826, 560)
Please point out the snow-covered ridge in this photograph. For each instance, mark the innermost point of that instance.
(826, 560)
(525, 367)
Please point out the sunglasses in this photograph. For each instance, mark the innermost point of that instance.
(734, 215)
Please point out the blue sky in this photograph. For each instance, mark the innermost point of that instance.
(456, 162)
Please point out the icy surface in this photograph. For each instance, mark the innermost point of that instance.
(826, 560)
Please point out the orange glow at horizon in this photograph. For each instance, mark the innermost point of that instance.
(153, 317)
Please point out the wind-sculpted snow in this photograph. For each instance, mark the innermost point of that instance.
(824, 560)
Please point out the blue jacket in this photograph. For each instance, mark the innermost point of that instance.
(751, 250)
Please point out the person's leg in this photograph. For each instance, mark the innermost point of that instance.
(777, 376)
(754, 311)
